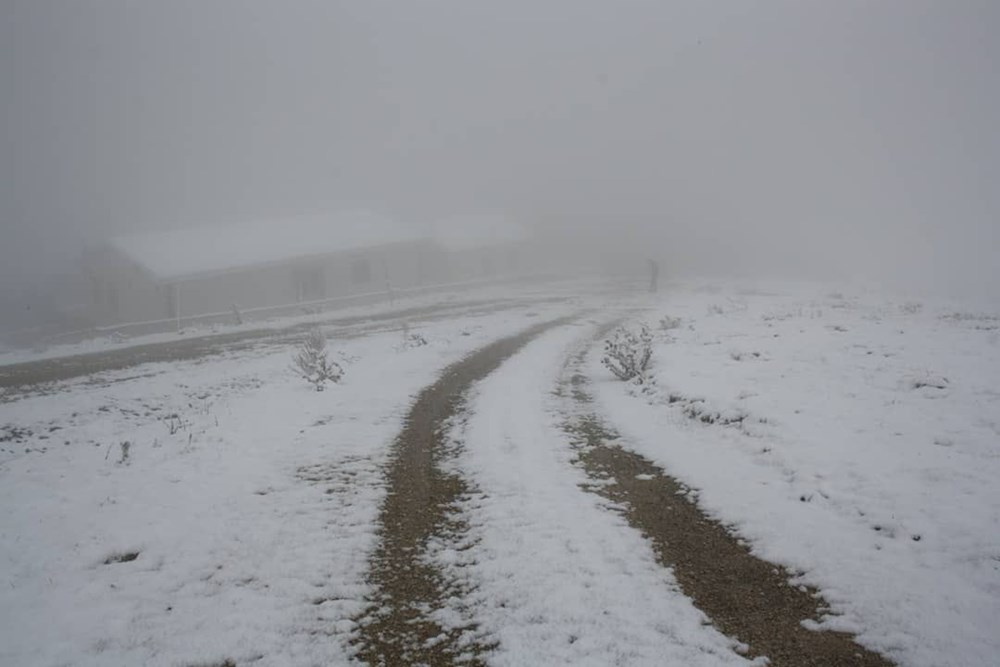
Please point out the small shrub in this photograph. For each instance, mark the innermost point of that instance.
(411, 340)
(311, 363)
(627, 353)
(121, 557)
(126, 447)
(927, 381)
(174, 423)
(414, 340)
(667, 323)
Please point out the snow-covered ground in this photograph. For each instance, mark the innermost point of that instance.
(120, 338)
(250, 499)
(853, 438)
(557, 578)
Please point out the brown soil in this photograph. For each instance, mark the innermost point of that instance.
(745, 597)
(396, 629)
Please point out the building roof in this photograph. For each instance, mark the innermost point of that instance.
(189, 253)
(184, 254)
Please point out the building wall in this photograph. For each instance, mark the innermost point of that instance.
(485, 262)
(123, 292)
(120, 290)
(263, 286)
(305, 281)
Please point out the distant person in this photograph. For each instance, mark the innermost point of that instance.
(654, 275)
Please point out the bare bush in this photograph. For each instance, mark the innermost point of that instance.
(667, 323)
(311, 363)
(627, 353)
(174, 423)
(411, 340)
(414, 340)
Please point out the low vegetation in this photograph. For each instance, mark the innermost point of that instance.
(627, 353)
(311, 362)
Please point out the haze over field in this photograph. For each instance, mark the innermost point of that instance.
(557, 332)
(801, 138)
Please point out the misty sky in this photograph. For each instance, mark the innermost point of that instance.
(855, 136)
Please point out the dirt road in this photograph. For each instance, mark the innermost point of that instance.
(397, 629)
(64, 368)
(748, 599)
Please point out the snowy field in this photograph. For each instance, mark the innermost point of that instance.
(852, 437)
(247, 500)
(558, 579)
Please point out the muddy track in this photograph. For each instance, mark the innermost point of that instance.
(65, 368)
(396, 628)
(745, 597)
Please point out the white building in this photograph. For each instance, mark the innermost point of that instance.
(187, 273)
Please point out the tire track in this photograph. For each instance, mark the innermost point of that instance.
(747, 598)
(396, 628)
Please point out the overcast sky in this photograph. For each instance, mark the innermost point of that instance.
(861, 136)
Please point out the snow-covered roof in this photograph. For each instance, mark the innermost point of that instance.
(477, 231)
(187, 253)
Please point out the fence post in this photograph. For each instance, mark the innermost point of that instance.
(177, 304)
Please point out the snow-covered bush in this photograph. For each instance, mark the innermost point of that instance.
(667, 323)
(411, 340)
(311, 362)
(732, 306)
(627, 353)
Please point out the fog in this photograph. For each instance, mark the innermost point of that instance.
(813, 139)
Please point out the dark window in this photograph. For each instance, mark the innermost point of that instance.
(361, 271)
